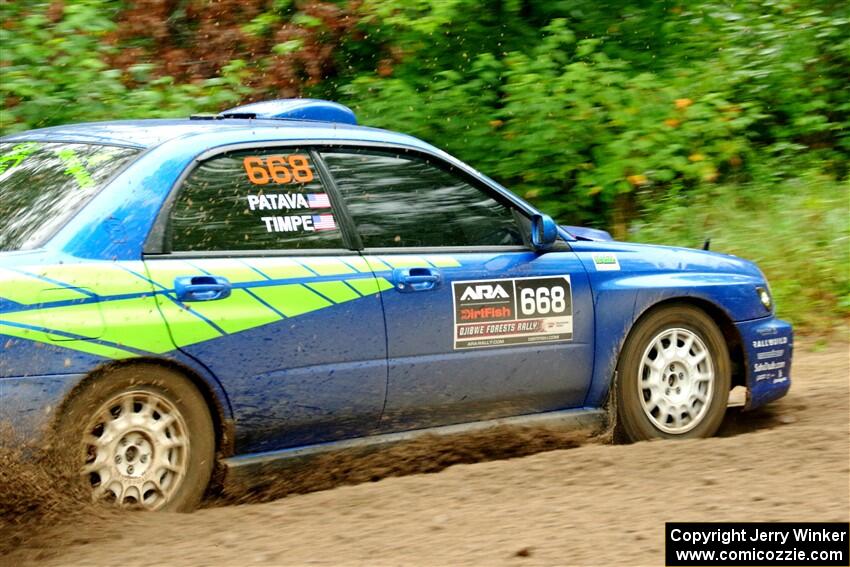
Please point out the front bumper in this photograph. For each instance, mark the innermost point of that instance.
(768, 346)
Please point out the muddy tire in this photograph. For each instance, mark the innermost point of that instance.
(673, 377)
(142, 437)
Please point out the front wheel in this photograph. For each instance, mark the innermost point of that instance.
(673, 376)
(142, 437)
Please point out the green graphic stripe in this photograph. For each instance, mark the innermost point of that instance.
(358, 263)
(376, 264)
(404, 261)
(186, 329)
(291, 299)
(369, 286)
(337, 292)
(327, 266)
(29, 290)
(84, 320)
(164, 272)
(238, 312)
(106, 278)
(139, 323)
(80, 346)
(136, 323)
(443, 261)
(279, 268)
(386, 263)
(234, 270)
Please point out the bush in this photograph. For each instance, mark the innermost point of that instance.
(595, 110)
(798, 232)
(573, 114)
(53, 70)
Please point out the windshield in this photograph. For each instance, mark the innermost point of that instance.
(42, 184)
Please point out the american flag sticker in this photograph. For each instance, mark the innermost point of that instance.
(324, 222)
(318, 201)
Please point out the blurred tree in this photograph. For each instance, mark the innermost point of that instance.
(690, 113)
(590, 108)
(54, 68)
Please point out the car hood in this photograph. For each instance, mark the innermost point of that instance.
(655, 258)
(585, 233)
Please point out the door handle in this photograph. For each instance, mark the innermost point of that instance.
(416, 279)
(201, 288)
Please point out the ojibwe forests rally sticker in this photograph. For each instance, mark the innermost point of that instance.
(512, 311)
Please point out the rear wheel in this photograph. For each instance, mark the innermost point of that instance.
(673, 376)
(142, 437)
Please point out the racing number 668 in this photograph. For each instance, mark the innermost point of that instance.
(542, 300)
(278, 169)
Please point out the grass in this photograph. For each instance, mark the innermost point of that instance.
(797, 231)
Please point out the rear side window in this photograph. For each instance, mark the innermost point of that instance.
(254, 200)
(43, 184)
(399, 200)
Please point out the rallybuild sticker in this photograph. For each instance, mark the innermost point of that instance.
(512, 311)
(764, 367)
(606, 262)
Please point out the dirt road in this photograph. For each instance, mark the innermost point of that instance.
(591, 505)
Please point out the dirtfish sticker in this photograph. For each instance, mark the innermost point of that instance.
(512, 312)
(606, 262)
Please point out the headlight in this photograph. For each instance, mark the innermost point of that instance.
(764, 297)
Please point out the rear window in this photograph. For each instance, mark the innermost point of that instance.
(42, 184)
(264, 199)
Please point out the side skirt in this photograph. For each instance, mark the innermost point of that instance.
(590, 421)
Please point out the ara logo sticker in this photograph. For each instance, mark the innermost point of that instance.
(479, 292)
(606, 262)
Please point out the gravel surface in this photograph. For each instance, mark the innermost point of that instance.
(596, 504)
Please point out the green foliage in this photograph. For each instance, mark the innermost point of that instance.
(598, 111)
(797, 232)
(567, 109)
(54, 71)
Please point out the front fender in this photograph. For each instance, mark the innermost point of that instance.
(629, 279)
(734, 294)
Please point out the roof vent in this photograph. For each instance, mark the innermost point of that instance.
(294, 109)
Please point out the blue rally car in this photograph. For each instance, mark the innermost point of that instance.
(276, 281)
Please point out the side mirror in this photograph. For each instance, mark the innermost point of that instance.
(544, 232)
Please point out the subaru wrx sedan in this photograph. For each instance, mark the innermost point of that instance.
(277, 280)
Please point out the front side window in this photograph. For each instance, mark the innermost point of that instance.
(399, 200)
(43, 184)
(254, 200)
